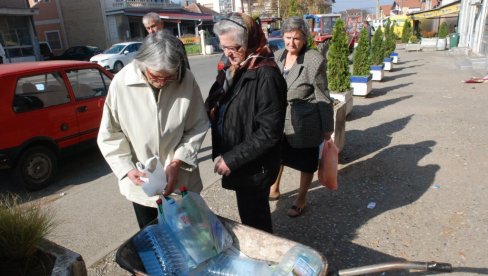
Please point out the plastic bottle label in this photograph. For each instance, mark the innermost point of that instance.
(184, 220)
(302, 268)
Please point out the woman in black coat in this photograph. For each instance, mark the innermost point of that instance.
(247, 106)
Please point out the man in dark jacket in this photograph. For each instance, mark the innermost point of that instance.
(153, 23)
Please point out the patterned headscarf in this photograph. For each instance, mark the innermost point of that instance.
(257, 54)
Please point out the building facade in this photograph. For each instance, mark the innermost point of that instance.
(17, 33)
(49, 24)
(473, 26)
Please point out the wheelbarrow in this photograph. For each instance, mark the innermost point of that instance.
(261, 245)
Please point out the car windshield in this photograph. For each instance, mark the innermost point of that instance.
(115, 49)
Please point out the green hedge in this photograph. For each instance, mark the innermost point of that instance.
(193, 49)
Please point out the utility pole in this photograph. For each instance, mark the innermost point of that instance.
(377, 9)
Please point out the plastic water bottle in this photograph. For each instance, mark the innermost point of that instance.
(300, 260)
(235, 265)
(198, 244)
(159, 251)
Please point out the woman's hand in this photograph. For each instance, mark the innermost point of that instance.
(171, 176)
(220, 167)
(135, 176)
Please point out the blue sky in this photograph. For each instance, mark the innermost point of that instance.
(341, 5)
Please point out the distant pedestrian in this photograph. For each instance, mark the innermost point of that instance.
(369, 29)
(247, 106)
(153, 23)
(309, 115)
(154, 107)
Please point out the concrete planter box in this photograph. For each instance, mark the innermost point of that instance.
(413, 47)
(339, 135)
(429, 43)
(345, 97)
(441, 44)
(362, 85)
(400, 46)
(394, 57)
(377, 72)
(388, 62)
(67, 262)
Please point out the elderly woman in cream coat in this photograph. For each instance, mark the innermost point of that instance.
(154, 108)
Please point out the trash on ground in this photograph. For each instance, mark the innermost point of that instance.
(477, 80)
(371, 205)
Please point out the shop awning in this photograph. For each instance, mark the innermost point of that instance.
(450, 9)
(176, 15)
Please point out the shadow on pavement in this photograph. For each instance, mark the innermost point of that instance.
(395, 77)
(396, 69)
(361, 111)
(363, 142)
(76, 169)
(332, 218)
(207, 156)
(380, 91)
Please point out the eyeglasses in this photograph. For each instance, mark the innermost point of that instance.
(159, 79)
(232, 49)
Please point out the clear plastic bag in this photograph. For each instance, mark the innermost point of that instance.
(197, 228)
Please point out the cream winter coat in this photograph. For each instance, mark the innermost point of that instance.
(136, 127)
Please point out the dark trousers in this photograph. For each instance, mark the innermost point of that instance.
(144, 214)
(254, 209)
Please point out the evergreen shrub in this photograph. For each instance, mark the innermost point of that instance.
(377, 48)
(338, 74)
(360, 66)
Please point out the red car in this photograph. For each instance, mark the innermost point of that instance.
(48, 109)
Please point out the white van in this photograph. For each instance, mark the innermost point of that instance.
(26, 53)
(2, 54)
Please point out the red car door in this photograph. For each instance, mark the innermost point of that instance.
(41, 102)
(90, 86)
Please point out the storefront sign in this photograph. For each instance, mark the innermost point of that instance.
(437, 13)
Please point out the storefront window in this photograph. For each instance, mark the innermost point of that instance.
(14, 35)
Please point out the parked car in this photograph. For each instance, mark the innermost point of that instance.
(117, 56)
(79, 53)
(46, 51)
(48, 109)
(274, 43)
(275, 33)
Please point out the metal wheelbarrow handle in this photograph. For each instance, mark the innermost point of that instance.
(421, 266)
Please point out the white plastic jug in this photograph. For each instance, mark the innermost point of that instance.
(155, 180)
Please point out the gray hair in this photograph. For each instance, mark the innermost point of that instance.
(150, 16)
(159, 51)
(234, 25)
(296, 24)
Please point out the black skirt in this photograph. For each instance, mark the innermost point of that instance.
(303, 159)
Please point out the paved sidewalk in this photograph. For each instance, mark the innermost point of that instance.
(416, 148)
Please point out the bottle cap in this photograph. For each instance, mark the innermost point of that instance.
(183, 189)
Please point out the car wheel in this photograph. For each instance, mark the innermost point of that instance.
(36, 168)
(118, 66)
